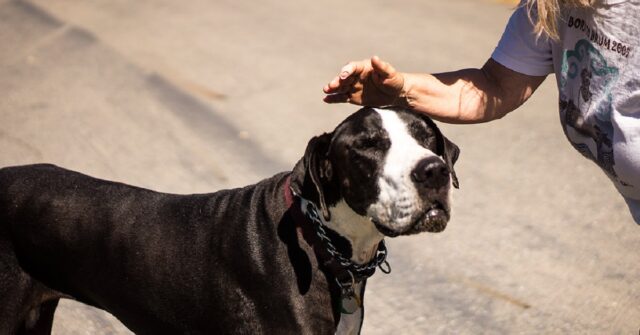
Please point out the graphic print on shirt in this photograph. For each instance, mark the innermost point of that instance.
(586, 120)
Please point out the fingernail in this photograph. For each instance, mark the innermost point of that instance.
(344, 74)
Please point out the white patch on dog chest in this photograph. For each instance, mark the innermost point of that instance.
(359, 230)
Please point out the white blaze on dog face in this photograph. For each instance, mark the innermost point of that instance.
(390, 167)
(398, 200)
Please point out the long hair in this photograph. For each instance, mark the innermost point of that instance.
(545, 14)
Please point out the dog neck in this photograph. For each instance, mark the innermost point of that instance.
(361, 233)
(358, 230)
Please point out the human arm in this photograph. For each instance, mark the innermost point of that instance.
(464, 96)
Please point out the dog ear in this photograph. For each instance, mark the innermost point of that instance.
(450, 155)
(450, 151)
(314, 171)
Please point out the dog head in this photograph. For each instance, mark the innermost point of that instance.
(394, 168)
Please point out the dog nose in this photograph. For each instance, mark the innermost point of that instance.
(431, 172)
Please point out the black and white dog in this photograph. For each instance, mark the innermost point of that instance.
(288, 255)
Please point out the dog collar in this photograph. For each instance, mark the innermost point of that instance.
(346, 272)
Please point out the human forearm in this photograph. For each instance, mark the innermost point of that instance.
(469, 95)
(453, 97)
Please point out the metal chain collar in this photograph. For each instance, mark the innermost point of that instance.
(360, 271)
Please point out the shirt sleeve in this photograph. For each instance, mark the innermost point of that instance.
(521, 50)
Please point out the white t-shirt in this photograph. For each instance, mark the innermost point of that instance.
(597, 67)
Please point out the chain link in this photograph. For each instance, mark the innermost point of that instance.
(364, 270)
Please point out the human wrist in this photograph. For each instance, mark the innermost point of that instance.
(421, 93)
(403, 97)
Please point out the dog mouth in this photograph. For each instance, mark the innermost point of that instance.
(434, 220)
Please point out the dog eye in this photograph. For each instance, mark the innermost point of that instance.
(424, 136)
(372, 143)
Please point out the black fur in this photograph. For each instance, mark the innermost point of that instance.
(229, 262)
(162, 263)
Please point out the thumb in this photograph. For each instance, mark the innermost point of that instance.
(383, 69)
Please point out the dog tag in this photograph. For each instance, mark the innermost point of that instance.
(350, 304)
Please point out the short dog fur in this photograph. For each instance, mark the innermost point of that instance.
(239, 261)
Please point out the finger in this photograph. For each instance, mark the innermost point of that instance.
(347, 70)
(383, 69)
(341, 85)
(346, 85)
(332, 86)
(353, 68)
(345, 78)
(336, 98)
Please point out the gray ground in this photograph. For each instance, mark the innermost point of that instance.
(196, 96)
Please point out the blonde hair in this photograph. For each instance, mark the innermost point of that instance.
(545, 14)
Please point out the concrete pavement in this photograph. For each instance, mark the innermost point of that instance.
(198, 96)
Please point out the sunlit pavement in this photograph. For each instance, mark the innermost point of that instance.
(196, 96)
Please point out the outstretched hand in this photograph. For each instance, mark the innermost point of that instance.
(370, 82)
